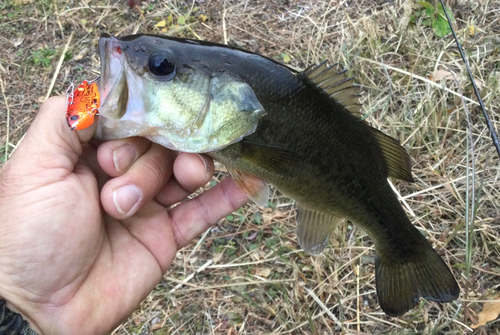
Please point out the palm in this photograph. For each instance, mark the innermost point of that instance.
(91, 255)
(70, 261)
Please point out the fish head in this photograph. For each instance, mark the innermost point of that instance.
(164, 90)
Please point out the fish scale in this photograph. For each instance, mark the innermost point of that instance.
(299, 131)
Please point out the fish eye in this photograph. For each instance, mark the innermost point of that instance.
(74, 118)
(161, 65)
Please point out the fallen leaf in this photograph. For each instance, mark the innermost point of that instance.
(133, 3)
(490, 312)
(155, 326)
(161, 24)
(286, 58)
(202, 17)
(252, 236)
(81, 54)
(217, 257)
(263, 272)
(479, 83)
(18, 41)
(440, 75)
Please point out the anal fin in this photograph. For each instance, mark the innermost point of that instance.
(314, 229)
(255, 188)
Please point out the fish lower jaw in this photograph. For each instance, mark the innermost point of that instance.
(183, 144)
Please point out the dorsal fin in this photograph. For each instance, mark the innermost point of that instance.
(396, 157)
(333, 80)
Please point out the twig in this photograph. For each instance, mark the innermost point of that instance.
(8, 120)
(215, 287)
(426, 190)
(357, 299)
(476, 91)
(58, 68)
(188, 278)
(394, 189)
(224, 30)
(416, 76)
(322, 305)
(199, 243)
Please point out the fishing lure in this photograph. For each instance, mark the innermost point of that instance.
(83, 104)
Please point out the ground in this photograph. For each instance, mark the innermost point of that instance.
(247, 275)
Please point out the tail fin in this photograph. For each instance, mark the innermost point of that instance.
(401, 284)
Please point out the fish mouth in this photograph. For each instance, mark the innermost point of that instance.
(113, 84)
(114, 89)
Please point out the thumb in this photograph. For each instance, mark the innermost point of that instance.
(49, 142)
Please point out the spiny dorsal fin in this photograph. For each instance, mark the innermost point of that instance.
(396, 157)
(255, 188)
(334, 81)
(314, 229)
(313, 70)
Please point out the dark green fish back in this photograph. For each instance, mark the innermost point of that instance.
(321, 154)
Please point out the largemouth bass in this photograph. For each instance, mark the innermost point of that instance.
(299, 131)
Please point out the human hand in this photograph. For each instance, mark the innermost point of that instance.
(71, 262)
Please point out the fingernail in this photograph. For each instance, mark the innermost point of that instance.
(203, 159)
(124, 156)
(126, 198)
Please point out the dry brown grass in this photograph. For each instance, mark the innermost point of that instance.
(246, 276)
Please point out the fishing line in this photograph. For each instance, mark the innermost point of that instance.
(476, 91)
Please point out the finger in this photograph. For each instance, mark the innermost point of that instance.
(195, 216)
(191, 171)
(89, 158)
(123, 196)
(50, 149)
(51, 128)
(115, 157)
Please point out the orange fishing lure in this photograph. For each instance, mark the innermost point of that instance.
(83, 104)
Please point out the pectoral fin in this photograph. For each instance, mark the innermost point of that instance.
(314, 229)
(255, 188)
(281, 161)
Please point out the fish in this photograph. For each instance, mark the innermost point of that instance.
(82, 104)
(300, 131)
